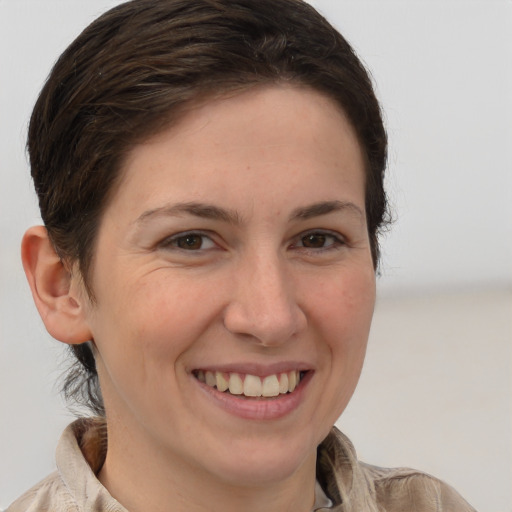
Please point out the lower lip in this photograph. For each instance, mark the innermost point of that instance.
(263, 409)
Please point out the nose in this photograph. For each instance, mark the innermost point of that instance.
(263, 305)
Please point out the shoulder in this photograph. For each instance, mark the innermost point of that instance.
(74, 486)
(399, 489)
(49, 494)
(359, 486)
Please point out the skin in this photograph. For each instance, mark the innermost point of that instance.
(252, 290)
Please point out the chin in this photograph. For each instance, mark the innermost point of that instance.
(255, 464)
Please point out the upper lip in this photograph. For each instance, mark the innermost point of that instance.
(260, 370)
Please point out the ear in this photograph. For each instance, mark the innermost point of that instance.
(57, 293)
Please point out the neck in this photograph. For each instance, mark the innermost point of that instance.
(142, 478)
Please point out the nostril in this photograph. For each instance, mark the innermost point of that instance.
(266, 327)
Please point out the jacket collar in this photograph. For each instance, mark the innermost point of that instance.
(83, 446)
(341, 476)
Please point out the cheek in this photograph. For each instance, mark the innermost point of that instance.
(343, 315)
(172, 313)
(150, 327)
(140, 343)
(344, 305)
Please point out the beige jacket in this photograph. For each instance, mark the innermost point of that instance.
(351, 485)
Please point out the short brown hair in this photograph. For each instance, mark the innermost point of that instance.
(129, 75)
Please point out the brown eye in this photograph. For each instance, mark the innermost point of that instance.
(314, 240)
(190, 242)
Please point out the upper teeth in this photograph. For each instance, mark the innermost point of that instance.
(251, 385)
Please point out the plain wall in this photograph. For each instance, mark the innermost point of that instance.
(443, 71)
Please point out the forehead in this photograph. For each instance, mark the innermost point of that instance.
(220, 145)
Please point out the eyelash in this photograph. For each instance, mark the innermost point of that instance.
(336, 239)
(173, 242)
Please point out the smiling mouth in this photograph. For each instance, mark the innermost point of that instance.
(251, 386)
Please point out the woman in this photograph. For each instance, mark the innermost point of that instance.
(210, 176)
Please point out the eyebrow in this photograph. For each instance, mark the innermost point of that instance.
(204, 211)
(209, 211)
(324, 208)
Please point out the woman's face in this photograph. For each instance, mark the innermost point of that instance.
(235, 253)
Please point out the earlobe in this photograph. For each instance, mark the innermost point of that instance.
(54, 289)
